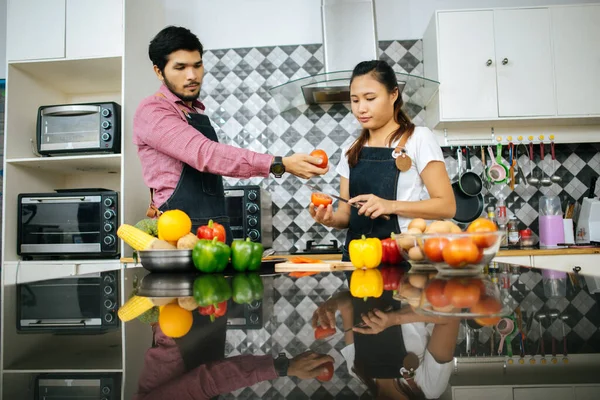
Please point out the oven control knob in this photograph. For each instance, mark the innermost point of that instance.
(108, 202)
(108, 304)
(108, 227)
(106, 124)
(254, 304)
(252, 221)
(109, 240)
(252, 208)
(252, 195)
(108, 290)
(106, 112)
(254, 318)
(105, 390)
(253, 235)
(108, 214)
(108, 318)
(105, 137)
(109, 278)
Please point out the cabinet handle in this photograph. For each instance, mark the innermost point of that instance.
(488, 62)
(505, 61)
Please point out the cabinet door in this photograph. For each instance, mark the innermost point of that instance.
(94, 28)
(467, 70)
(587, 392)
(487, 393)
(543, 393)
(575, 34)
(35, 29)
(524, 63)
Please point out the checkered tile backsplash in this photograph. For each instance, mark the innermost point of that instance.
(235, 92)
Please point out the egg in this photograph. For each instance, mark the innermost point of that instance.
(409, 292)
(405, 241)
(417, 280)
(438, 227)
(418, 223)
(415, 254)
(445, 309)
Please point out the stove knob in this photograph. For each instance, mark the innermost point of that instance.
(109, 240)
(252, 195)
(254, 318)
(108, 214)
(253, 235)
(108, 202)
(105, 137)
(252, 221)
(106, 112)
(108, 318)
(106, 124)
(252, 208)
(108, 227)
(108, 304)
(108, 290)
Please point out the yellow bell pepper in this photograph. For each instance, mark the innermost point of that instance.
(366, 283)
(365, 253)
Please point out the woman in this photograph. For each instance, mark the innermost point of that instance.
(369, 174)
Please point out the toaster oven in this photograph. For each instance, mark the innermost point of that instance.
(250, 212)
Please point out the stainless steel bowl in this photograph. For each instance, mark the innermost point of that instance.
(167, 260)
(167, 285)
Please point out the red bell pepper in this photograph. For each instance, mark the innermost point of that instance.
(391, 253)
(391, 277)
(214, 312)
(211, 231)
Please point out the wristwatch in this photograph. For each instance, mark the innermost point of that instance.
(281, 364)
(277, 167)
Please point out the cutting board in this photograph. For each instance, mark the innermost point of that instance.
(323, 266)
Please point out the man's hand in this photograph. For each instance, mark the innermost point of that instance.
(373, 206)
(303, 165)
(308, 365)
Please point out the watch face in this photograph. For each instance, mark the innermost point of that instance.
(277, 169)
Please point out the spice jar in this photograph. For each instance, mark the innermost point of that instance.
(527, 239)
(513, 231)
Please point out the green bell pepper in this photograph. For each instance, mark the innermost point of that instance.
(247, 288)
(210, 255)
(246, 255)
(210, 290)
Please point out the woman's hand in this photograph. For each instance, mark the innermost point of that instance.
(322, 214)
(373, 206)
(324, 316)
(376, 321)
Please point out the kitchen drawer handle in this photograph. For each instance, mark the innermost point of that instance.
(505, 61)
(488, 62)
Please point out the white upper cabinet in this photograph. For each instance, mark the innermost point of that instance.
(576, 36)
(524, 63)
(94, 28)
(35, 29)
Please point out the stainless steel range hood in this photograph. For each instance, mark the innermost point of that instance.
(349, 37)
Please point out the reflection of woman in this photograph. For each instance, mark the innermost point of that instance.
(380, 353)
(369, 173)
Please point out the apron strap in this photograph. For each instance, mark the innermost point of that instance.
(400, 147)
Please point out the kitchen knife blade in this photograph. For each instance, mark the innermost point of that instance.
(355, 205)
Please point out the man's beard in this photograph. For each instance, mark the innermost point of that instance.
(181, 96)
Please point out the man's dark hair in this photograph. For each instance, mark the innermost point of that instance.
(169, 40)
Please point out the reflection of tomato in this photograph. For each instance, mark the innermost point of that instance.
(483, 225)
(462, 292)
(320, 199)
(326, 376)
(321, 333)
(322, 155)
(487, 305)
(460, 252)
(433, 248)
(435, 293)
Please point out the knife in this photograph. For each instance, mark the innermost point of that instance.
(355, 205)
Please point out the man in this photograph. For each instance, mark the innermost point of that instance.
(182, 160)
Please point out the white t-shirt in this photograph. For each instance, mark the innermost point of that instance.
(422, 147)
(431, 377)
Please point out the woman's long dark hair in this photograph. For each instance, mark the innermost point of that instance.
(384, 74)
(373, 389)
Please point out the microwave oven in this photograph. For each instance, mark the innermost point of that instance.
(78, 223)
(79, 128)
(250, 212)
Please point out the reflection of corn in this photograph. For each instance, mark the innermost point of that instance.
(134, 307)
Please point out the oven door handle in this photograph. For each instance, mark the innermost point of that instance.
(70, 110)
(57, 324)
(55, 200)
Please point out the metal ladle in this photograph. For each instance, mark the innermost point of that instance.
(554, 178)
(545, 178)
(533, 181)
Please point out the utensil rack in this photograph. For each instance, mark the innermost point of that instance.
(492, 139)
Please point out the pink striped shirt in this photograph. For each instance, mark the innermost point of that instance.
(165, 141)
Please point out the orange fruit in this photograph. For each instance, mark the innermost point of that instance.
(483, 225)
(173, 225)
(175, 321)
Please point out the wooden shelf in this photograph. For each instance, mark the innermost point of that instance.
(69, 165)
(547, 252)
(80, 76)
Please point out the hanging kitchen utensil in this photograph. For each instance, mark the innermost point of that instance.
(469, 181)
(545, 181)
(468, 208)
(533, 181)
(554, 178)
(484, 178)
(520, 172)
(504, 327)
(564, 339)
(511, 166)
(496, 172)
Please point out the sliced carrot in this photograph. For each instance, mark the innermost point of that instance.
(301, 274)
(304, 260)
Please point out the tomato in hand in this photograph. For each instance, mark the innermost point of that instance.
(487, 305)
(483, 225)
(327, 375)
(462, 292)
(322, 333)
(320, 199)
(322, 155)
(433, 248)
(461, 252)
(435, 293)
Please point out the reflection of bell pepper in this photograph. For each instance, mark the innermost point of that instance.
(391, 278)
(210, 255)
(366, 283)
(390, 252)
(247, 288)
(211, 231)
(365, 253)
(214, 311)
(210, 290)
(246, 255)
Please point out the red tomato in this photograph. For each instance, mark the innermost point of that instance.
(320, 199)
(487, 305)
(461, 252)
(326, 376)
(321, 333)
(433, 248)
(435, 293)
(322, 155)
(483, 225)
(462, 292)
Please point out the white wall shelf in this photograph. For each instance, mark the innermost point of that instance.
(109, 163)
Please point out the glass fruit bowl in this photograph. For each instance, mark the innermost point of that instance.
(451, 253)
